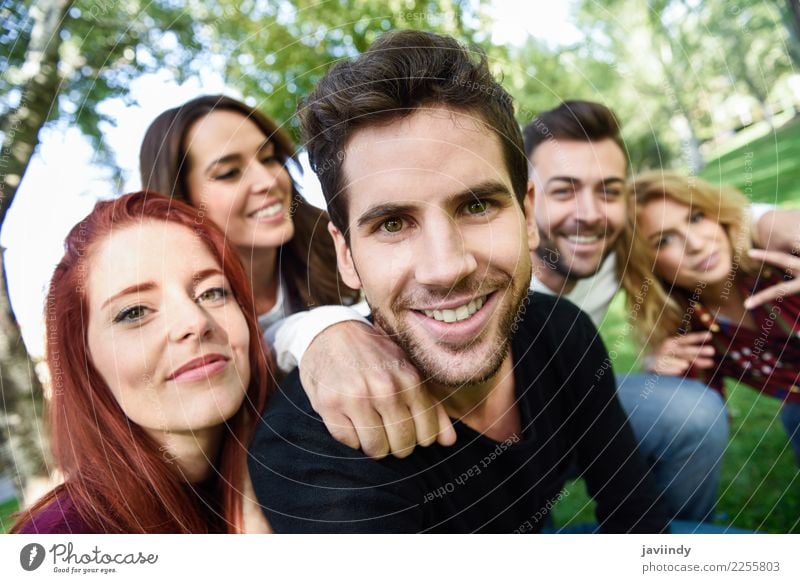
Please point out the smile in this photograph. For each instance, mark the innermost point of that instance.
(710, 262)
(268, 211)
(200, 368)
(584, 239)
(457, 314)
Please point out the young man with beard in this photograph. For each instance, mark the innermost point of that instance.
(423, 171)
(579, 169)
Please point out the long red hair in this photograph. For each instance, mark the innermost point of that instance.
(115, 474)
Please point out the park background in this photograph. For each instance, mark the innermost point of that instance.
(708, 87)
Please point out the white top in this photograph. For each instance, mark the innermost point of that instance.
(289, 335)
(591, 294)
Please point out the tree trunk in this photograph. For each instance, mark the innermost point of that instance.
(792, 18)
(21, 391)
(22, 451)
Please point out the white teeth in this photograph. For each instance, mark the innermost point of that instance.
(583, 238)
(457, 314)
(269, 211)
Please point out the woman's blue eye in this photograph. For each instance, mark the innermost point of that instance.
(130, 314)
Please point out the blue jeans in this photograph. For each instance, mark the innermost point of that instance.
(681, 426)
(790, 417)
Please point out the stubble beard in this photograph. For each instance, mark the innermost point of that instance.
(432, 368)
(552, 257)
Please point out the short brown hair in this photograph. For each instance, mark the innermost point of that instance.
(582, 121)
(400, 73)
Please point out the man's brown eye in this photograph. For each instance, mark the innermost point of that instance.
(393, 225)
(478, 207)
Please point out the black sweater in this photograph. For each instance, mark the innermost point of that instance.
(308, 482)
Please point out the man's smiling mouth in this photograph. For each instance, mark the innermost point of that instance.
(457, 313)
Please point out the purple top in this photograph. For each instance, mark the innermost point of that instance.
(58, 517)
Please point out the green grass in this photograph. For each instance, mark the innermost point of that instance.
(760, 484)
(7, 508)
(766, 169)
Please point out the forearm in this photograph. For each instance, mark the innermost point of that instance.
(290, 338)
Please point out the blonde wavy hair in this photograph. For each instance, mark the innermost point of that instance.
(655, 311)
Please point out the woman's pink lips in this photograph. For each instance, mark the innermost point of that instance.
(708, 263)
(200, 368)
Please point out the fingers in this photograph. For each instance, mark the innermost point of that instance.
(341, 429)
(668, 365)
(693, 338)
(787, 261)
(371, 433)
(678, 354)
(399, 426)
(447, 433)
(426, 419)
(695, 353)
(770, 294)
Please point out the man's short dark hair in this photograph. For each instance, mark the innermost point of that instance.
(581, 121)
(400, 73)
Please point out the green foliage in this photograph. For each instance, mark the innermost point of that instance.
(278, 52)
(105, 45)
(7, 508)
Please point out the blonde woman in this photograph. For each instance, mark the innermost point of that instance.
(698, 293)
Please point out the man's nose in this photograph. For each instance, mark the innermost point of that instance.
(587, 207)
(443, 256)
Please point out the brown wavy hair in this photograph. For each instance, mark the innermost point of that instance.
(656, 311)
(115, 474)
(307, 263)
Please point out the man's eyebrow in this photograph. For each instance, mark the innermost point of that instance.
(488, 188)
(570, 179)
(136, 288)
(383, 210)
(573, 180)
(482, 190)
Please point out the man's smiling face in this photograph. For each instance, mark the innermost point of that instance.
(437, 240)
(579, 207)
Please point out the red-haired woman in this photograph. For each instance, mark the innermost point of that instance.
(230, 161)
(158, 376)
